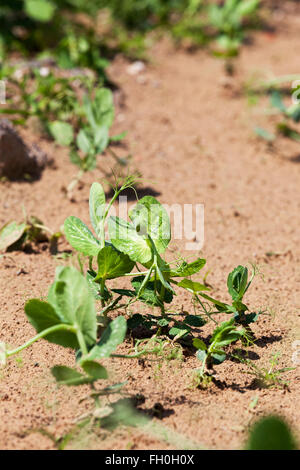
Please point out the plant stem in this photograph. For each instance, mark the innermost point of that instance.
(44, 333)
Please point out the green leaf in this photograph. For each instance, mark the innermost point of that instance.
(179, 330)
(40, 10)
(94, 370)
(62, 132)
(97, 208)
(188, 269)
(101, 138)
(151, 218)
(192, 286)
(277, 102)
(271, 433)
(74, 303)
(80, 237)
(199, 344)
(11, 233)
(264, 134)
(66, 376)
(201, 354)
(237, 282)
(112, 264)
(42, 315)
(83, 142)
(136, 320)
(125, 238)
(104, 107)
(93, 286)
(113, 335)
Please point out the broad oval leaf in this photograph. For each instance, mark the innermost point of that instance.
(80, 237)
(40, 10)
(125, 238)
(74, 303)
(67, 376)
(42, 315)
(94, 370)
(97, 208)
(113, 335)
(113, 264)
(151, 218)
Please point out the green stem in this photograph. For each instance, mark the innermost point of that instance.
(44, 333)
(102, 292)
(81, 342)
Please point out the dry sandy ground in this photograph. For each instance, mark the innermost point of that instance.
(191, 137)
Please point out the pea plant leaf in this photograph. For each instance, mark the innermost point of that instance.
(188, 269)
(125, 238)
(113, 335)
(67, 376)
(62, 132)
(40, 10)
(237, 283)
(112, 264)
(74, 303)
(148, 294)
(97, 209)
(95, 370)
(151, 218)
(192, 286)
(11, 233)
(80, 237)
(42, 315)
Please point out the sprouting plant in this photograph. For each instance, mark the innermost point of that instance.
(266, 377)
(228, 20)
(290, 117)
(16, 236)
(224, 334)
(68, 318)
(93, 138)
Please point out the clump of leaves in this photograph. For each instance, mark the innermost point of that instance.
(68, 318)
(229, 22)
(290, 117)
(224, 334)
(17, 236)
(139, 243)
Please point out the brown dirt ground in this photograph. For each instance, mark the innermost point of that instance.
(190, 134)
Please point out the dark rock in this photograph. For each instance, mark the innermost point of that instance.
(16, 158)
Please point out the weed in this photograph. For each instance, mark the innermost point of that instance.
(267, 377)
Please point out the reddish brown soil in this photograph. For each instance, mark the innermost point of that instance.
(190, 134)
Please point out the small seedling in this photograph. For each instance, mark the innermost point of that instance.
(16, 236)
(224, 334)
(267, 377)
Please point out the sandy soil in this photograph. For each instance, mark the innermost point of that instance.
(191, 137)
